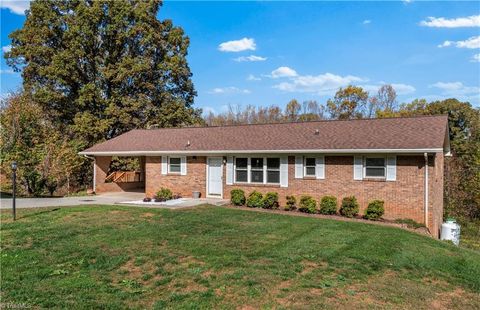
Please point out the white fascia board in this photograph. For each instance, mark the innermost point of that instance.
(225, 152)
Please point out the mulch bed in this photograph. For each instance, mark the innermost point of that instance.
(359, 219)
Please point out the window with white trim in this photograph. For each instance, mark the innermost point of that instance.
(174, 165)
(273, 170)
(256, 170)
(241, 170)
(309, 167)
(375, 167)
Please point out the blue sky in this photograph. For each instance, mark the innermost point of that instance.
(264, 53)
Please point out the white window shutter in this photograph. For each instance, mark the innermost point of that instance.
(183, 165)
(320, 167)
(164, 164)
(357, 168)
(229, 170)
(391, 168)
(284, 171)
(298, 167)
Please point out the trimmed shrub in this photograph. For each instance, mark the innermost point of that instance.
(164, 194)
(349, 207)
(270, 201)
(328, 205)
(237, 197)
(291, 203)
(375, 210)
(307, 204)
(255, 200)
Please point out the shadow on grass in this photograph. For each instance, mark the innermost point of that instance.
(28, 215)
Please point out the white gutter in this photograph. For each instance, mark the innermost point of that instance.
(305, 151)
(426, 189)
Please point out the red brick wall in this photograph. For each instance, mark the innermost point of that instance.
(179, 184)
(404, 198)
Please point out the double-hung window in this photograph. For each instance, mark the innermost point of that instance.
(174, 165)
(256, 170)
(375, 167)
(273, 170)
(309, 166)
(241, 170)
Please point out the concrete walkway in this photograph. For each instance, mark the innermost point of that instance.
(103, 199)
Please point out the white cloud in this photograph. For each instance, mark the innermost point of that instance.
(8, 71)
(456, 89)
(208, 110)
(283, 72)
(238, 45)
(250, 58)
(15, 6)
(252, 77)
(6, 48)
(366, 22)
(400, 88)
(323, 84)
(403, 89)
(228, 90)
(472, 42)
(441, 22)
(475, 58)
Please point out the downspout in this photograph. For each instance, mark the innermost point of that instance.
(94, 172)
(426, 189)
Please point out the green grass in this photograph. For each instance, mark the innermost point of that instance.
(208, 257)
(470, 233)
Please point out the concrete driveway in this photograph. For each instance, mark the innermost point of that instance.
(124, 198)
(107, 199)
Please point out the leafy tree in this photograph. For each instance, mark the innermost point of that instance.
(348, 103)
(104, 67)
(46, 157)
(387, 99)
(292, 110)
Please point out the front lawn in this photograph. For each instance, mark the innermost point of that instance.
(211, 257)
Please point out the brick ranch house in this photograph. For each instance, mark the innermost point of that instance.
(369, 158)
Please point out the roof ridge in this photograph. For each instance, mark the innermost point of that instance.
(301, 122)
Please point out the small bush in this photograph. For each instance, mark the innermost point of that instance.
(255, 200)
(270, 200)
(164, 194)
(307, 204)
(237, 197)
(375, 210)
(147, 199)
(291, 203)
(349, 207)
(328, 205)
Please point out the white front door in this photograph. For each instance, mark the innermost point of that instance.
(214, 175)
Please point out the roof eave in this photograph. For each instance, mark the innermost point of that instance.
(225, 152)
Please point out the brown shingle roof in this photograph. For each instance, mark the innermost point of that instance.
(412, 133)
